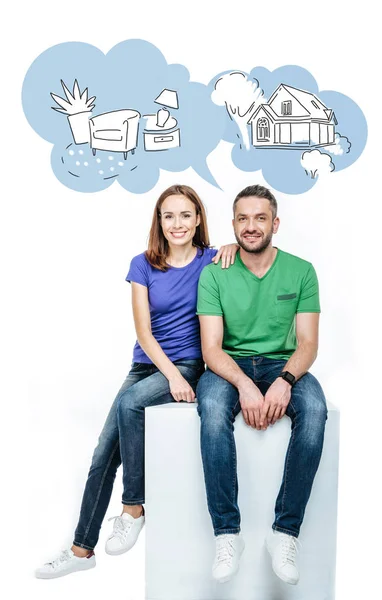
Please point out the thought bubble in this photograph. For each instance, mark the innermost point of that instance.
(125, 115)
(124, 84)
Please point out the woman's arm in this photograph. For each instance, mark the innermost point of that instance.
(180, 389)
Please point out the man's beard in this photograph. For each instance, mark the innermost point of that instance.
(259, 249)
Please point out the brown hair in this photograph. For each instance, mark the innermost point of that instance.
(260, 192)
(157, 251)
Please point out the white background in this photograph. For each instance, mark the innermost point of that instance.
(66, 308)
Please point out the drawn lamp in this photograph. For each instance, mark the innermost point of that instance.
(167, 98)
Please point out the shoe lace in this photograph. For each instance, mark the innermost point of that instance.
(121, 527)
(224, 550)
(61, 558)
(289, 548)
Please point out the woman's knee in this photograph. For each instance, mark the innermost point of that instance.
(129, 400)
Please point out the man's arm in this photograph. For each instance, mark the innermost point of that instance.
(307, 344)
(250, 397)
(278, 395)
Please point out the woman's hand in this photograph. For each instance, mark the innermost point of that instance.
(227, 254)
(180, 389)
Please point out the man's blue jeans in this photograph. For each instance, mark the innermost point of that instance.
(122, 439)
(218, 405)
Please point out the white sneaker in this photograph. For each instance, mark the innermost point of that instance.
(283, 549)
(229, 548)
(125, 533)
(64, 564)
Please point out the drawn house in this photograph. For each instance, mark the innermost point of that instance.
(292, 118)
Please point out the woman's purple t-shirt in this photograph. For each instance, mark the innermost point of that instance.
(172, 302)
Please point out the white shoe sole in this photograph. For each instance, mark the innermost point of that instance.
(86, 566)
(278, 574)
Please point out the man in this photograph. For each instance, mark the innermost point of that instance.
(259, 328)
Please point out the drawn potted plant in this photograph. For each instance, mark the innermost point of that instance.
(78, 109)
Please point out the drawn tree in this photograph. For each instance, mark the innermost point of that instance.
(316, 163)
(241, 96)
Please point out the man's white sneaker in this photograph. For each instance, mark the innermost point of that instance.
(64, 564)
(283, 549)
(229, 548)
(125, 533)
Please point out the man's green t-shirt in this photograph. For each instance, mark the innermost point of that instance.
(259, 312)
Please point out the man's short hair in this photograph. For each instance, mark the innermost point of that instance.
(260, 192)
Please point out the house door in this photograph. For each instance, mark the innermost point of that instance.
(263, 130)
(285, 133)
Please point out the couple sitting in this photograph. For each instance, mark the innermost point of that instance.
(258, 313)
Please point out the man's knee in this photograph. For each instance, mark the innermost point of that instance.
(215, 397)
(310, 409)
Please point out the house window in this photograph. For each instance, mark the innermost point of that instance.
(263, 129)
(286, 107)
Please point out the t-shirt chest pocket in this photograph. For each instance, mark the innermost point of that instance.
(286, 306)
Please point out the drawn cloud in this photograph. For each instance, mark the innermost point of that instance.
(129, 77)
(125, 115)
(281, 166)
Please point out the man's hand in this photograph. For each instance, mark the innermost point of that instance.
(276, 401)
(251, 402)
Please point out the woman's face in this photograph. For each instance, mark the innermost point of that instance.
(178, 220)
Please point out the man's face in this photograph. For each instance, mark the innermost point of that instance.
(253, 224)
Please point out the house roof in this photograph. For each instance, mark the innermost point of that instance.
(269, 110)
(315, 109)
(310, 102)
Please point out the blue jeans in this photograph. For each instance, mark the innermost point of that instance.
(218, 405)
(122, 440)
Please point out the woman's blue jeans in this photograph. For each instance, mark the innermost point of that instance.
(218, 405)
(122, 440)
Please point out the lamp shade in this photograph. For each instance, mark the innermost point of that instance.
(168, 98)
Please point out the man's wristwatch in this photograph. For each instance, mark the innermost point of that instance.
(288, 377)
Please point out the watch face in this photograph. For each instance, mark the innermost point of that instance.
(288, 377)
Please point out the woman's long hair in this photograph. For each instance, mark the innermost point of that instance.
(157, 251)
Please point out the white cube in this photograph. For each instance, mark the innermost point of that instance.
(180, 543)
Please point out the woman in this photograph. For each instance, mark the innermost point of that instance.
(166, 368)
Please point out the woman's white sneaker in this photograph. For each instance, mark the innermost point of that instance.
(125, 533)
(64, 564)
(229, 548)
(283, 550)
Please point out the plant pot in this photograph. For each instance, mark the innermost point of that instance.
(79, 125)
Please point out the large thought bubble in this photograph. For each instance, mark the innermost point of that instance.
(125, 115)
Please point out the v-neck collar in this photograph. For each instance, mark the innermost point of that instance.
(265, 274)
